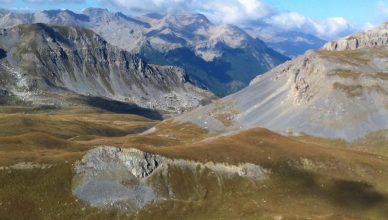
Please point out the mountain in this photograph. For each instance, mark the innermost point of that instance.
(328, 93)
(289, 43)
(41, 60)
(222, 58)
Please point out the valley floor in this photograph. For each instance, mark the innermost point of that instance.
(310, 178)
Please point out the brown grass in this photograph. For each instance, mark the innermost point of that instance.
(347, 74)
(351, 184)
(382, 76)
(350, 90)
(352, 57)
(223, 112)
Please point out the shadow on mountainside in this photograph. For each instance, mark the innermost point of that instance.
(3, 53)
(344, 194)
(121, 107)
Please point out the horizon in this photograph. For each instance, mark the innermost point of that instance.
(303, 16)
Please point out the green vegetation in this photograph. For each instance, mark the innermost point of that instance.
(43, 194)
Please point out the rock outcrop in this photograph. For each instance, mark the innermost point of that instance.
(129, 178)
(374, 38)
(43, 59)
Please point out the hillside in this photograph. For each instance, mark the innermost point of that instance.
(41, 61)
(333, 94)
(44, 154)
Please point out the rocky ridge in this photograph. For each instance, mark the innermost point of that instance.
(43, 59)
(111, 176)
(373, 38)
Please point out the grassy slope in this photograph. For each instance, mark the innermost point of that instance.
(338, 181)
(310, 178)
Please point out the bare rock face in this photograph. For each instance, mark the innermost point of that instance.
(130, 179)
(374, 38)
(56, 59)
(102, 159)
(108, 176)
(335, 94)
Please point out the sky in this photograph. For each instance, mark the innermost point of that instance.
(327, 19)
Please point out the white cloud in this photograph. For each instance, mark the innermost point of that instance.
(233, 11)
(329, 28)
(368, 26)
(240, 11)
(227, 11)
(144, 6)
(288, 20)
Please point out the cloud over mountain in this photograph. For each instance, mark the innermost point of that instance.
(240, 12)
(232, 12)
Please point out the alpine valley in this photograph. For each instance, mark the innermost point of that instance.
(171, 116)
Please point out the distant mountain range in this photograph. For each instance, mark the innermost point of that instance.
(222, 58)
(339, 91)
(289, 43)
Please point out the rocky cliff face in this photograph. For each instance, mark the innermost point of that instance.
(42, 59)
(222, 58)
(336, 94)
(374, 38)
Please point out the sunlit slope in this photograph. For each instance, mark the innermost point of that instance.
(309, 178)
(332, 94)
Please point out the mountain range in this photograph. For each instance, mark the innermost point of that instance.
(289, 43)
(221, 58)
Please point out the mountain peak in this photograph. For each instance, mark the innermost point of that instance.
(100, 14)
(185, 19)
(194, 17)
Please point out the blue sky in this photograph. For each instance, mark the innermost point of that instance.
(325, 18)
(356, 11)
